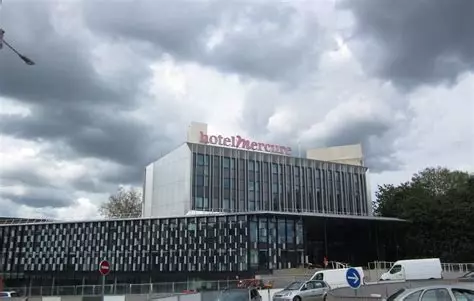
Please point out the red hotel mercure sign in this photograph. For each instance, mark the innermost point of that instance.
(239, 142)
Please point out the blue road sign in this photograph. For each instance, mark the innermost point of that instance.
(353, 278)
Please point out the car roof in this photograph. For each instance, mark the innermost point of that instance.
(447, 286)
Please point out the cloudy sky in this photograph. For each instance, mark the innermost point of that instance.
(117, 82)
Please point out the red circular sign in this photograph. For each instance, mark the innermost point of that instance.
(104, 267)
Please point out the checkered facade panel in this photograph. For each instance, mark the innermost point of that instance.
(188, 244)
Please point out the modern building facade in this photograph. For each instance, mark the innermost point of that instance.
(214, 208)
(181, 248)
(217, 178)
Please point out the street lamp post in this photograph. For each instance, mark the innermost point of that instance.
(21, 56)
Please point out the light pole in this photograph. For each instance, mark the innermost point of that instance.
(21, 56)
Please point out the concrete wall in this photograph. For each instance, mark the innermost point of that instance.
(346, 154)
(194, 131)
(167, 190)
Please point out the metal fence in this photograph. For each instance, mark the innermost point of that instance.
(179, 287)
(148, 288)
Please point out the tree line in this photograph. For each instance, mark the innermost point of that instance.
(438, 204)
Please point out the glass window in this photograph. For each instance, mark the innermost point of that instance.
(253, 231)
(395, 269)
(226, 162)
(226, 173)
(251, 186)
(262, 227)
(200, 191)
(226, 204)
(226, 193)
(271, 232)
(414, 296)
(251, 196)
(281, 231)
(251, 205)
(274, 168)
(251, 165)
(226, 182)
(436, 295)
(191, 225)
(200, 159)
(199, 202)
(254, 257)
(290, 232)
(299, 233)
(463, 294)
(200, 181)
(319, 276)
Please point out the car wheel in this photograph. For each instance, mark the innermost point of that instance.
(297, 298)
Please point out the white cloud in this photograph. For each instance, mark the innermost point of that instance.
(79, 209)
(440, 134)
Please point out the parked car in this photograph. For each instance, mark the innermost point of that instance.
(303, 291)
(469, 277)
(239, 294)
(434, 293)
(6, 295)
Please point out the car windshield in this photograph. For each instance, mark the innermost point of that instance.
(294, 286)
(395, 295)
(234, 295)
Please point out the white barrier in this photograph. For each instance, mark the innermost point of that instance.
(51, 299)
(113, 298)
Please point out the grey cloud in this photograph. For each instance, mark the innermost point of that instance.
(41, 197)
(101, 134)
(73, 107)
(273, 42)
(376, 129)
(415, 42)
(70, 102)
(24, 176)
(376, 139)
(64, 73)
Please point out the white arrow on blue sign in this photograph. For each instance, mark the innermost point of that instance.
(353, 278)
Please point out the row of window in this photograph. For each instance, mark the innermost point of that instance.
(189, 240)
(231, 184)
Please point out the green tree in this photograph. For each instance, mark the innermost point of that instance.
(124, 203)
(439, 205)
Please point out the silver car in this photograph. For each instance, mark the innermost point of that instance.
(240, 294)
(435, 293)
(303, 291)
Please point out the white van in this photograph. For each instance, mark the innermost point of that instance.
(336, 278)
(415, 269)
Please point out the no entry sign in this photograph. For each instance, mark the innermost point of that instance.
(104, 267)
